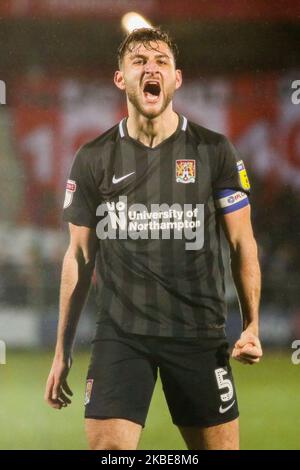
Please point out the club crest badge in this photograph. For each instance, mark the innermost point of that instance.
(185, 171)
(70, 190)
(243, 175)
(88, 391)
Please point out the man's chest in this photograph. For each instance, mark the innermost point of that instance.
(173, 174)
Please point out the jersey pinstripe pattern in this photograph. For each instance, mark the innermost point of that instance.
(156, 286)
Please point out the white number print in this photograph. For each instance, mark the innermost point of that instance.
(224, 384)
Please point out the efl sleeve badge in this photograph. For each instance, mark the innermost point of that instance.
(243, 175)
(70, 190)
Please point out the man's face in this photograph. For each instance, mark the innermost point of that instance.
(149, 77)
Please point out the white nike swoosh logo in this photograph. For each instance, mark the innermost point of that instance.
(223, 410)
(117, 180)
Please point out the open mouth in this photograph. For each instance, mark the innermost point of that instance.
(151, 91)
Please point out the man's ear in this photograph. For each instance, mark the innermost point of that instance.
(178, 79)
(119, 80)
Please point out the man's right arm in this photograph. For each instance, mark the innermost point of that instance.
(78, 265)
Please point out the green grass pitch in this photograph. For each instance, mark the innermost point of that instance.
(268, 395)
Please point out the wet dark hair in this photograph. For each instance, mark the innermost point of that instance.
(145, 36)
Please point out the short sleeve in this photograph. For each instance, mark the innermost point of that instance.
(81, 196)
(231, 186)
(231, 169)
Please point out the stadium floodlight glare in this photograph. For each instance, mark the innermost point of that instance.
(133, 20)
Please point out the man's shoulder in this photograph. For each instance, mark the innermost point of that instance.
(204, 135)
(101, 141)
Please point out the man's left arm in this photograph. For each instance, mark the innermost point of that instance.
(247, 278)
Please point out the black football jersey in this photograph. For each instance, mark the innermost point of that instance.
(156, 213)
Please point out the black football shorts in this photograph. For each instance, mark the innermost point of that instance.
(195, 374)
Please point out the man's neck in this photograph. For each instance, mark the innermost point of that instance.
(151, 132)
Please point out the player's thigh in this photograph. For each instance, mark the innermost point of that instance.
(221, 437)
(198, 383)
(112, 434)
(120, 380)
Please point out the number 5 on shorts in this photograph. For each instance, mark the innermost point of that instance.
(224, 384)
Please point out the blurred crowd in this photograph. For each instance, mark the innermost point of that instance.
(30, 265)
(276, 223)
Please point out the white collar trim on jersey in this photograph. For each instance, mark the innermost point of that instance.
(122, 133)
(184, 123)
(121, 130)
